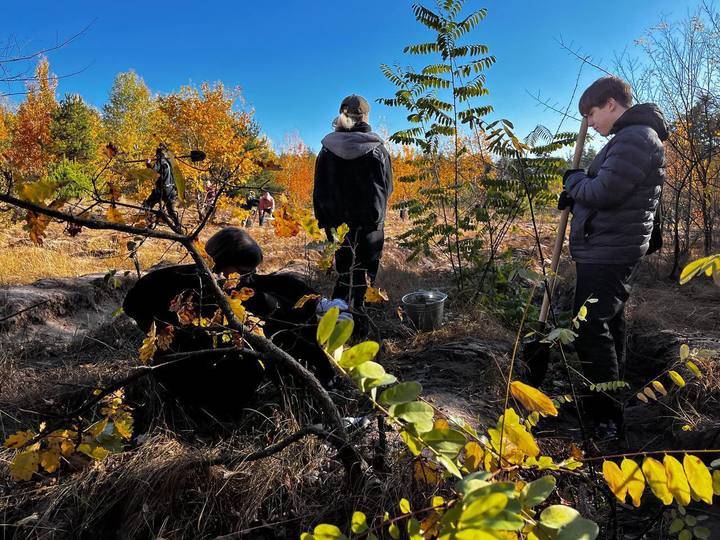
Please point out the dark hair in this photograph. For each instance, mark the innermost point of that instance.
(599, 92)
(232, 246)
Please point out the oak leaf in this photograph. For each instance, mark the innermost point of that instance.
(149, 345)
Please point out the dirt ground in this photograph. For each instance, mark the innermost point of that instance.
(70, 340)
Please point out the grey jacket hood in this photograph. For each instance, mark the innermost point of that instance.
(351, 144)
(644, 114)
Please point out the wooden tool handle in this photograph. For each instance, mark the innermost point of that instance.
(562, 226)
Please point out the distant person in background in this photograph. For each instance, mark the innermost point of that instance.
(251, 202)
(353, 181)
(165, 190)
(266, 206)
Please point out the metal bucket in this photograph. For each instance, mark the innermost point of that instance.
(425, 308)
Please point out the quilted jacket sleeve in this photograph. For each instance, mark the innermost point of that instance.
(626, 165)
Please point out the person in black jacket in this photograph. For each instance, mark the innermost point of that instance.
(613, 206)
(353, 181)
(165, 190)
(225, 384)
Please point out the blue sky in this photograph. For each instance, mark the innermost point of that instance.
(295, 60)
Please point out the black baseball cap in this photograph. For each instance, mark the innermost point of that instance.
(355, 104)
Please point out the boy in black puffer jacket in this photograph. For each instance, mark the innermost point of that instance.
(613, 207)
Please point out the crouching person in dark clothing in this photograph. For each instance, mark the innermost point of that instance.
(176, 296)
(353, 181)
(613, 206)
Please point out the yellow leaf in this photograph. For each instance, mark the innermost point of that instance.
(63, 439)
(285, 224)
(305, 299)
(149, 345)
(659, 387)
(517, 442)
(237, 308)
(642, 397)
(94, 451)
(684, 351)
(24, 464)
(474, 454)
(375, 295)
(716, 482)
(657, 479)
(710, 265)
(311, 228)
(676, 378)
(50, 460)
(614, 478)
(18, 439)
(341, 232)
(124, 425)
(204, 254)
(677, 481)
(693, 367)
(699, 478)
(634, 479)
(582, 314)
(98, 427)
(113, 215)
(533, 399)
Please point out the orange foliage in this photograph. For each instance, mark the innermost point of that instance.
(5, 119)
(30, 152)
(204, 118)
(298, 170)
(472, 167)
(403, 166)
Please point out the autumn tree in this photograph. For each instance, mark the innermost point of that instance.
(129, 114)
(298, 169)
(31, 149)
(5, 128)
(209, 118)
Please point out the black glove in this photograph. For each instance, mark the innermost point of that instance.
(568, 173)
(565, 201)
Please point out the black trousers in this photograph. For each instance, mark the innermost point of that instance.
(600, 344)
(357, 262)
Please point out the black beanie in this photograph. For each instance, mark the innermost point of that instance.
(232, 246)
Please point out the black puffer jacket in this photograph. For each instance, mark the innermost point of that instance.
(615, 201)
(353, 179)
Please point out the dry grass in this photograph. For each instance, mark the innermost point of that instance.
(162, 486)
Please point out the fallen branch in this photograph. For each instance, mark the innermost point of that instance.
(90, 223)
(234, 459)
(23, 310)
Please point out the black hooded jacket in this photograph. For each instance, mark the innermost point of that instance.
(353, 179)
(615, 202)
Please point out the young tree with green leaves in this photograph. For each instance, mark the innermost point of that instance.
(74, 129)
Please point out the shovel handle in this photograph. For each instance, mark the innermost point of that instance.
(562, 226)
